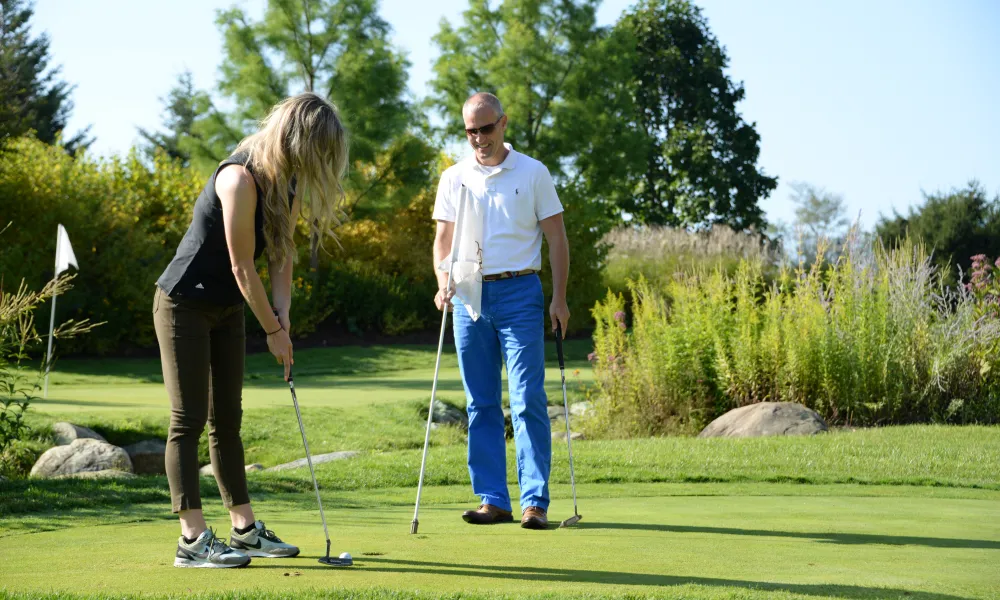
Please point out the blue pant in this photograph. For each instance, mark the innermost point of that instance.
(510, 329)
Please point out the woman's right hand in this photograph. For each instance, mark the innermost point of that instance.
(280, 346)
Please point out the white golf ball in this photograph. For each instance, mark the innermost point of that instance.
(346, 555)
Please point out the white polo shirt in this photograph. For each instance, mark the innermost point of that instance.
(516, 195)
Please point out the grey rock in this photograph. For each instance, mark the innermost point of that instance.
(81, 455)
(64, 433)
(561, 435)
(766, 418)
(449, 414)
(556, 412)
(148, 457)
(103, 474)
(316, 460)
(206, 471)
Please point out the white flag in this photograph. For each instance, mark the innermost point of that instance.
(64, 252)
(467, 255)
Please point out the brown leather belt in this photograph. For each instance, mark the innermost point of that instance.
(508, 274)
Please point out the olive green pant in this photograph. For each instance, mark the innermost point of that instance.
(202, 347)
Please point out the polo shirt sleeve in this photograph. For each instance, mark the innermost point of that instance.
(546, 200)
(444, 203)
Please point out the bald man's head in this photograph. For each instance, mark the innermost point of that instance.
(485, 125)
(483, 100)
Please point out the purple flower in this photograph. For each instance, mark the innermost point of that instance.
(622, 325)
(592, 356)
(978, 258)
(620, 317)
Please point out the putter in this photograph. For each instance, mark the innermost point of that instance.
(345, 559)
(569, 442)
(415, 523)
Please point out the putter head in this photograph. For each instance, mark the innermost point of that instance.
(571, 521)
(413, 526)
(333, 561)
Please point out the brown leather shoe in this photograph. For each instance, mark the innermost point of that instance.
(487, 514)
(534, 517)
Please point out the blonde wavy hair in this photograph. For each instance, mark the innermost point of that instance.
(302, 137)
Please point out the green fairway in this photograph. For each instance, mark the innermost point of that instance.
(335, 377)
(672, 541)
(897, 512)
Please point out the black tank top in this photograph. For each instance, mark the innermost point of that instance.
(201, 269)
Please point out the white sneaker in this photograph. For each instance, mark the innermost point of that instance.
(261, 541)
(208, 552)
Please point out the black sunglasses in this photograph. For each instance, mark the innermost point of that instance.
(485, 129)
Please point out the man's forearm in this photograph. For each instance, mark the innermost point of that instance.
(559, 262)
(442, 248)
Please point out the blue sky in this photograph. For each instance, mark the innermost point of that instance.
(876, 100)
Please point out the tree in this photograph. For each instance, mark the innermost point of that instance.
(185, 106)
(531, 54)
(668, 145)
(32, 97)
(820, 219)
(527, 52)
(339, 49)
(956, 225)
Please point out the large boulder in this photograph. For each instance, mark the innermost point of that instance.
(82, 455)
(316, 460)
(105, 474)
(148, 456)
(64, 433)
(766, 418)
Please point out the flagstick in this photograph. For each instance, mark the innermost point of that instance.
(52, 322)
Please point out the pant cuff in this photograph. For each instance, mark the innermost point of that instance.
(542, 504)
(497, 501)
(177, 506)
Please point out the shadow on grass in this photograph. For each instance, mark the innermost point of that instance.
(388, 565)
(828, 538)
(50, 402)
(24, 496)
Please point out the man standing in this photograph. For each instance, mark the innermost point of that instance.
(517, 202)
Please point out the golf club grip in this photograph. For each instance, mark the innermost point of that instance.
(275, 311)
(559, 344)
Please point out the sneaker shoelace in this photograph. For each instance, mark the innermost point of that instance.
(215, 545)
(267, 534)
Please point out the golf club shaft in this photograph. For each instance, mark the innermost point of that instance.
(305, 443)
(437, 363)
(569, 441)
(430, 412)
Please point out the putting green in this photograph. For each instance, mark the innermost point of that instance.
(717, 541)
(323, 390)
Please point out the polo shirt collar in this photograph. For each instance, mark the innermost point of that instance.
(508, 163)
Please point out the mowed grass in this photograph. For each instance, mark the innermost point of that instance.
(898, 512)
(339, 377)
(671, 541)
